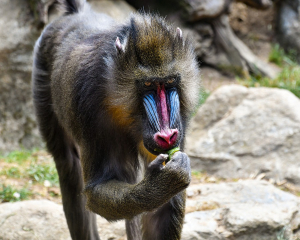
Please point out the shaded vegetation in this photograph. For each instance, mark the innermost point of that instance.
(42, 172)
(17, 156)
(204, 95)
(11, 194)
(279, 57)
(27, 174)
(288, 79)
(25, 164)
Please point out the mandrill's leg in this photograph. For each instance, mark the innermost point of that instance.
(166, 222)
(133, 228)
(81, 222)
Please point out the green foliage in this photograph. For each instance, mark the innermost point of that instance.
(13, 172)
(17, 156)
(280, 235)
(288, 79)
(33, 5)
(10, 194)
(28, 166)
(42, 172)
(198, 174)
(204, 96)
(276, 55)
(279, 57)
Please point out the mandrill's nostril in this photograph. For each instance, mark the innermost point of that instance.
(166, 138)
(161, 138)
(174, 136)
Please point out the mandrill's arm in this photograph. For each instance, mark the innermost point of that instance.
(116, 200)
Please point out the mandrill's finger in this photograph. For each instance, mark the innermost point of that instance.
(157, 163)
(180, 159)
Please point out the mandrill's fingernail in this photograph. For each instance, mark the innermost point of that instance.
(165, 156)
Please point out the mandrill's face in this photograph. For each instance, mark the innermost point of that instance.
(161, 119)
(157, 66)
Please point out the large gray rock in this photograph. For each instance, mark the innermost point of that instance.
(32, 220)
(19, 29)
(245, 210)
(17, 36)
(37, 220)
(204, 9)
(241, 131)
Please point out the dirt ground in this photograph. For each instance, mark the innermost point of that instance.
(212, 79)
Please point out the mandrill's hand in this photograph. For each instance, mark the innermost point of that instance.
(159, 185)
(163, 182)
(176, 174)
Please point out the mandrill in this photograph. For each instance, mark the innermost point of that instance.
(111, 100)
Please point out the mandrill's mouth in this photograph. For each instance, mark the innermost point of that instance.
(163, 141)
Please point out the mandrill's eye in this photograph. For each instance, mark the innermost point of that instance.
(170, 81)
(147, 84)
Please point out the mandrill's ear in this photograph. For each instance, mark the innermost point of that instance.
(178, 33)
(119, 46)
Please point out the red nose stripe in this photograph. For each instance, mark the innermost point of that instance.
(166, 137)
(161, 92)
